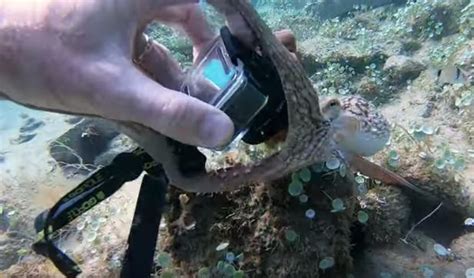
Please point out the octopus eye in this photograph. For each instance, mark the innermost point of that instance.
(333, 103)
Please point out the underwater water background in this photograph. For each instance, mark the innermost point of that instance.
(413, 60)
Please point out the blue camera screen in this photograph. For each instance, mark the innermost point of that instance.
(214, 71)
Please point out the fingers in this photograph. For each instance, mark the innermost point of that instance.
(139, 99)
(287, 38)
(187, 17)
(156, 61)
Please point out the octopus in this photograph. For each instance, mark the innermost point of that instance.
(360, 130)
(314, 133)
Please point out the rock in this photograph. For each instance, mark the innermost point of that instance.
(416, 259)
(389, 211)
(371, 89)
(318, 52)
(400, 69)
(31, 125)
(456, 194)
(86, 140)
(27, 130)
(23, 138)
(463, 247)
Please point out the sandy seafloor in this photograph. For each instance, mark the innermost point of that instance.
(31, 182)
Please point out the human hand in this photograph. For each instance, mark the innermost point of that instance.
(77, 57)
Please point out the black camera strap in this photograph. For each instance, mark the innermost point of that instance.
(98, 187)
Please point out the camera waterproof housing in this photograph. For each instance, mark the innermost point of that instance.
(243, 84)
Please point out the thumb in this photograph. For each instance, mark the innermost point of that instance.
(186, 119)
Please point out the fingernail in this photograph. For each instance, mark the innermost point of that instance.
(216, 131)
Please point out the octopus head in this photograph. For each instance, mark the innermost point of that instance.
(331, 108)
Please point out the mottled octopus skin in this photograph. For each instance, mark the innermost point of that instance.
(372, 130)
(360, 130)
(309, 134)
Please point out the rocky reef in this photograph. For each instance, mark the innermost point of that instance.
(277, 235)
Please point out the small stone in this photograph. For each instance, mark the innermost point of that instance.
(440, 250)
(31, 125)
(23, 138)
(469, 222)
(401, 69)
